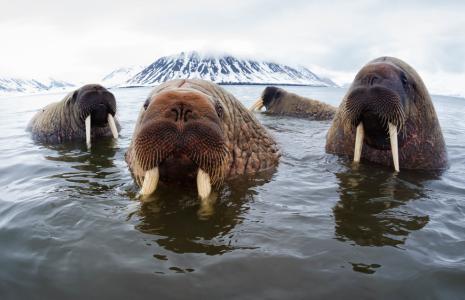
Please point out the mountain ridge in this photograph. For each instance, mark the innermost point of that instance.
(224, 69)
(12, 85)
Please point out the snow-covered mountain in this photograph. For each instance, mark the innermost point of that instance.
(224, 69)
(19, 85)
(120, 75)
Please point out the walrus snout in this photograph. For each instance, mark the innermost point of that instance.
(378, 114)
(270, 96)
(376, 100)
(99, 114)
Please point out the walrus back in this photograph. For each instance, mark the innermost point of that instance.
(299, 106)
(47, 124)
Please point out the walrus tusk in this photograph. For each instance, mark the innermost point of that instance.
(204, 186)
(88, 131)
(359, 135)
(257, 105)
(111, 122)
(150, 182)
(394, 147)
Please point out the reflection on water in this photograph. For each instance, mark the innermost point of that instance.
(173, 215)
(91, 172)
(371, 209)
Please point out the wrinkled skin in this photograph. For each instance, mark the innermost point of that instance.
(281, 102)
(65, 120)
(387, 90)
(189, 124)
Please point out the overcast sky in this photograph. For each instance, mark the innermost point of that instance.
(81, 41)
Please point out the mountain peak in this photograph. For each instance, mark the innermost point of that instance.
(223, 69)
(121, 75)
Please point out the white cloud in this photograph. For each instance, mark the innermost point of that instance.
(84, 40)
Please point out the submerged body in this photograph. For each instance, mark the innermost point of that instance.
(387, 117)
(281, 102)
(85, 113)
(194, 130)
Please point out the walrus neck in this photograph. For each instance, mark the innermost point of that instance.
(75, 122)
(67, 119)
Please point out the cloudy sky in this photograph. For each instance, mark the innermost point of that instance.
(81, 41)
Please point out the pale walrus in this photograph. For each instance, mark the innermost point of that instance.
(84, 113)
(194, 130)
(387, 117)
(281, 102)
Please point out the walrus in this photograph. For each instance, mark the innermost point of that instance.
(281, 102)
(194, 130)
(387, 117)
(84, 113)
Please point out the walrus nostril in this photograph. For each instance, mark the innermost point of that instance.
(372, 79)
(181, 114)
(177, 113)
(187, 114)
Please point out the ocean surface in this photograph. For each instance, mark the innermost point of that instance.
(71, 226)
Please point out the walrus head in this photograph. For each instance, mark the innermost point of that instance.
(94, 106)
(180, 137)
(271, 96)
(390, 110)
(194, 130)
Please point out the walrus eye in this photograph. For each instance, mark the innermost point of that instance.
(219, 109)
(146, 104)
(73, 97)
(404, 80)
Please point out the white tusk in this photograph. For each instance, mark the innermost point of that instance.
(88, 131)
(359, 136)
(257, 105)
(394, 147)
(111, 122)
(204, 186)
(150, 182)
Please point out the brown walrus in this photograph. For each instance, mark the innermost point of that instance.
(387, 117)
(281, 102)
(195, 130)
(84, 113)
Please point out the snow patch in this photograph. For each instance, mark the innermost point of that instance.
(223, 69)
